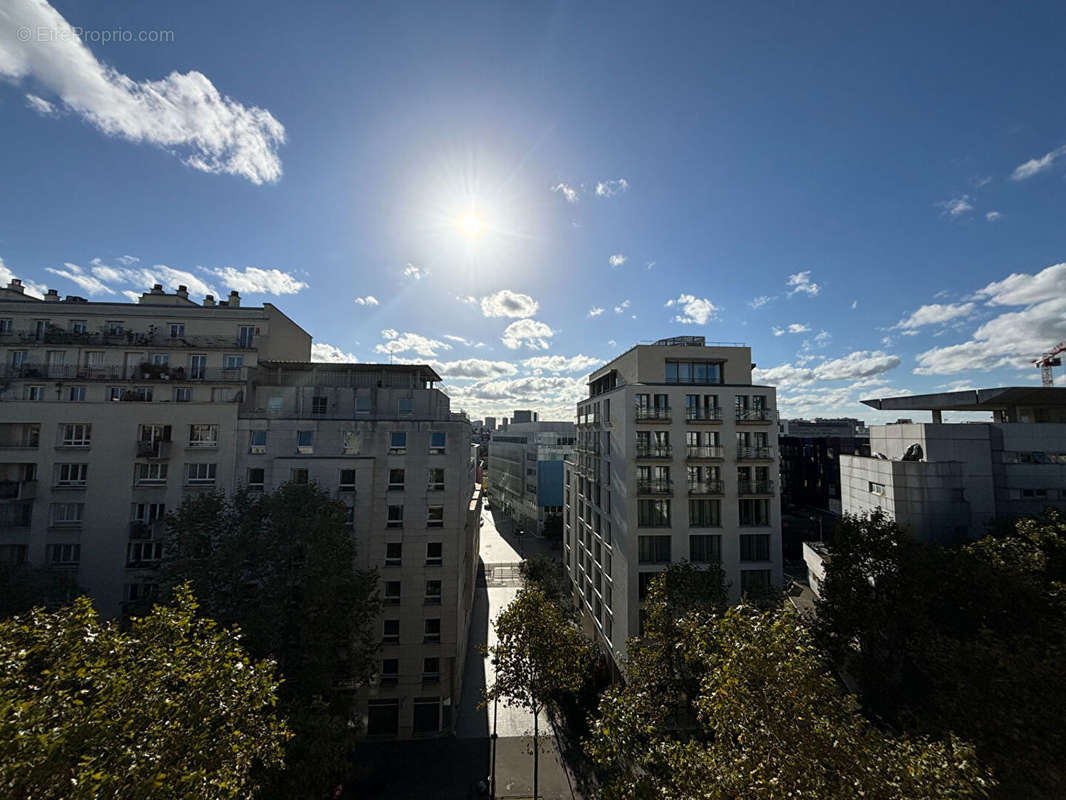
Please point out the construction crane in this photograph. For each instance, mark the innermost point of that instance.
(1048, 360)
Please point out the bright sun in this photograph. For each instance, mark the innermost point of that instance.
(471, 225)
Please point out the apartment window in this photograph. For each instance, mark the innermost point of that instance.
(160, 359)
(77, 435)
(390, 671)
(390, 631)
(434, 556)
(435, 517)
(349, 443)
(362, 402)
(143, 553)
(71, 474)
(704, 513)
(201, 435)
(177, 330)
(754, 512)
(433, 593)
(347, 483)
(644, 580)
(257, 442)
(256, 477)
(141, 394)
(57, 555)
(5, 326)
(392, 593)
(200, 474)
(404, 406)
(318, 405)
(198, 367)
(33, 393)
(299, 475)
(77, 394)
(755, 547)
(246, 336)
(153, 473)
(18, 359)
(393, 554)
(148, 512)
(67, 513)
(115, 327)
(431, 630)
(139, 592)
(653, 513)
(436, 441)
(114, 393)
(877, 488)
(232, 362)
(426, 717)
(754, 580)
(653, 549)
(396, 479)
(398, 442)
(705, 548)
(305, 441)
(436, 479)
(182, 394)
(78, 326)
(395, 517)
(702, 372)
(431, 669)
(349, 517)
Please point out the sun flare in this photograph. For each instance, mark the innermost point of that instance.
(471, 225)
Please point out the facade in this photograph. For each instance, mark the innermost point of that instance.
(948, 481)
(525, 416)
(112, 413)
(526, 469)
(490, 424)
(676, 461)
(845, 428)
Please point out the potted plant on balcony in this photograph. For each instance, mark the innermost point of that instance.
(152, 371)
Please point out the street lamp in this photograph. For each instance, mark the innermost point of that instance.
(495, 701)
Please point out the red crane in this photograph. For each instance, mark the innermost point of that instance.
(1048, 360)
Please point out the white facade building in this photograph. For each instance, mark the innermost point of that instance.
(526, 469)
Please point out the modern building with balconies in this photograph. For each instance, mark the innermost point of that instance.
(676, 461)
(526, 469)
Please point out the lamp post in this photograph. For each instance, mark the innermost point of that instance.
(495, 701)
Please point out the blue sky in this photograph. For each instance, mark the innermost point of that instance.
(871, 197)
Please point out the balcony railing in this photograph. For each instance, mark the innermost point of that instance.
(755, 487)
(755, 415)
(659, 486)
(703, 414)
(705, 451)
(591, 448)
(651, 414)
(754, 453)
(159, 339)
(705, 487)
(117, 372)
(156, 449)
(655, 451)
(17, 490)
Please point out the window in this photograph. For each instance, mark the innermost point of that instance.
(436, 441)
(18, 359)
(305, 441)
(5, 326)
(347, 483)
(177, 330)
(436, 479)
(246, 336)
(654, 549)
(704, 513)
(693, 372)
(431, 630)
(431, 669)
(398, 442)
(426, 715)
(256, 477)
(392, 593)
(404, 406)
(139, 592)
(115, 327)
(67, 513)
(232, 362)
(153, 473)
(257, 442)
(435, 517)
(644, 580)
(198, 367)
(393, 554)
(77, 435)
(877, 488)
(705, 548)
(396, 478)
(434, 556)
(71, 474)
(182, 394)
(754, 512)
(147, 512)
(390, 671)
(62, 554)
(362, 402)
(754, 580)
(390, 631)
(78, 326)
(433, 593)
(200, 474)
(161, 359)
(201, 435)
(318, 405)
(142, 394)
(755, 547)
(395, 517)
(653, 513)
(299, 475)
(350, 443)
(34, 393)
(143, 553)
(77, 394)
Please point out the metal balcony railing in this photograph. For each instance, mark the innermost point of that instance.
(117, 373)
(591, 448)
(755, 487)
(655, 451)
(156, 449)
(703, 414)
(745, 453)
(653, 413)
(754, 415)
(659, 486)
(153, 338)
(705, 487)
(705, 451)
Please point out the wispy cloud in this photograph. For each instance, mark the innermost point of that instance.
(90, 283)
(595, 311)
(396, 342)
(40, 105)
(801, 282)
(611, 188)
(578, 363)
(567, 191)
(1036, 165)
(320, 351)
(957, 206)
(254, 280)
(993, 216)
(616, 260)
(417, 273)
(621, 307)
(760, 301)
(369, 300)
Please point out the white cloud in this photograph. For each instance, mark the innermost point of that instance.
(578, 363)
(823, 338)
(595, 311)
(32, 289)
(859, 364)
(621, 307)
(253, 280)
(529, 332)
(611, 188)
(957, 206)
(854, 304)
(778, 331)
(506, 303)
(761, 300)
(320, 351)
(616, 260)
(993, 216)
(369, 300)
(40, 105)
(72, 272)
(1020, 288)
(782, 376)
(694, 310)
(466, 298)
(411, 271)
(934, 314)
(801, 282)
(612, 343)
(144, 277)
(389, 333)
(567, 191)
(650, 265)
(133, 297)
(409, 343)
(474, 368)
(797, 327)
(182, 113)
(1035, 165)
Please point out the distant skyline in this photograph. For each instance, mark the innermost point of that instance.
(870, 197)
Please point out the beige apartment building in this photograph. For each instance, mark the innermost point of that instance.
(112, 413)
(676, 461)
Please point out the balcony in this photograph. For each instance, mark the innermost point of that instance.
(655, 487)
(17, 490)
(705, 487)
(653, 414)
(703, 414)
(589, 448)
(655, 451)
(754, 453)
(156, 449)
(152, 338)
(118, 373)
(698, 452)
(139, 529)
(755, 415)
(755, 487)
(589, 419)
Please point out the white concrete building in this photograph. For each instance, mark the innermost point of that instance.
(677, 461)
(526, 470)
(948, 481)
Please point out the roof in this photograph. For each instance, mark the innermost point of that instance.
(423, 370)
(973, 399)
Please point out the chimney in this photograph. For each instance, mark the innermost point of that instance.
(209, 300)
(234, 299)
(15, 286)
(183, 291)
(158, 289)
(52, 296)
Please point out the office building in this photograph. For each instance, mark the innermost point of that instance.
(524, 416)
(526, 470)
(490, 424)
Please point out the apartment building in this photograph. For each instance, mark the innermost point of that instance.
(676, 461)
(947, 482)
(526, 470)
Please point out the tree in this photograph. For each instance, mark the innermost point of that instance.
(539, 653)
(547, 575)
(282, 567)
(175, 708)
(25, 586)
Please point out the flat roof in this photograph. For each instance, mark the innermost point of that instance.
(973, 399)
(423, 370)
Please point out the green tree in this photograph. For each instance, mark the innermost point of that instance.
(548, 575)
(539, 653)
(282, 567)
(174, 708)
